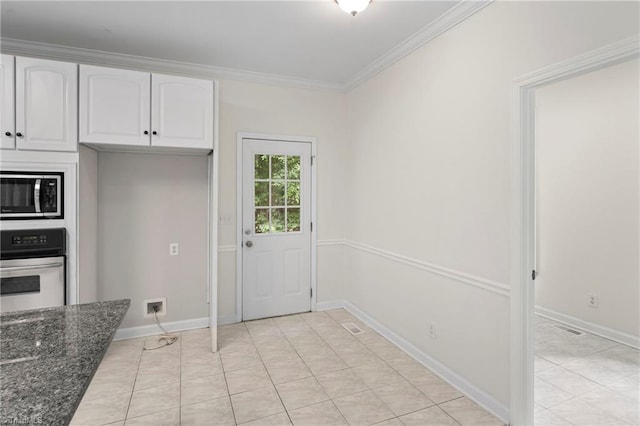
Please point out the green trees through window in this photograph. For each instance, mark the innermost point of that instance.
(277, 193)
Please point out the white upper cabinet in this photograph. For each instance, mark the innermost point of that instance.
(46, 105)
(133, 108)
(7, 103)
(114, 106)
(182, 112)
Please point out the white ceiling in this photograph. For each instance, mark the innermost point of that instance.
(309, 40)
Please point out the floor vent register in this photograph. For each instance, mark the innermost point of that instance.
(569, 330)
(352, 328)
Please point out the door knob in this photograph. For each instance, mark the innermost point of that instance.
(19, 134)
(7, 133)
(249, 244)
(247, 231)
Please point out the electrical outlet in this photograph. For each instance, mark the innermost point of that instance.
(174, 249)
(432, 331)
(160, 303)
(592, 301)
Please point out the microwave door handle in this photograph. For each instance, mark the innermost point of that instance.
(36, 195)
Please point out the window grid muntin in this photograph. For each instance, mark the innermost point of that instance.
(270, 208)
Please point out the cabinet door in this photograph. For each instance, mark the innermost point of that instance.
(114, 106)
(7, 103)
(182, 112)
(46, 105)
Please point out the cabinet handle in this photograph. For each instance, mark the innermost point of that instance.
(7, 133)
(154, 133)
(146, 132)
(19, 134)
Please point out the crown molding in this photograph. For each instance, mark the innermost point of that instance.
(120, 60)
(611, 54)
(446, 21)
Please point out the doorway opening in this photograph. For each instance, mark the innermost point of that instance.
(587, 249)
(523, 256)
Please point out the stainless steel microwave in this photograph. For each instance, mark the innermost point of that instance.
(31, 195)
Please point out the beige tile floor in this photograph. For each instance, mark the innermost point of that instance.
(584, 380)
(303, 369)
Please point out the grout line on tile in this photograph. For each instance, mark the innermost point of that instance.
(140, 350)
(269, 374)
(233, 411)
(447, 413)
(453, 399)
(180, 339)
(556, 414)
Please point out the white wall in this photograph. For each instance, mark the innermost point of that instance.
(87, 224)
(587, 133)
(145, 202)
(249, 107)
(430, 175)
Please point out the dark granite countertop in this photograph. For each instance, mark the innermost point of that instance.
(48, 358)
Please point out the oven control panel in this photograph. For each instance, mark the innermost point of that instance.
(29, 239)
(24, 243)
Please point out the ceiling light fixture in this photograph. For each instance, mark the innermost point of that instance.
(353, 7)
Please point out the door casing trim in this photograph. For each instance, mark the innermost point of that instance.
(240, 136)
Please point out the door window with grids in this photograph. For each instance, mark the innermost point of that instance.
(276, 193)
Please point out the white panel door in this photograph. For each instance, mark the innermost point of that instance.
(181, 112)
(114, 106)
(46, 105)
(7, 103)
(276, 221)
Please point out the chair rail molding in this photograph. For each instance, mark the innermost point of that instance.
(463, 277)
(231, 248)
(328, 243)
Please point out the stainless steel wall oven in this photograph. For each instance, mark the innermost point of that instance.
(32, 269)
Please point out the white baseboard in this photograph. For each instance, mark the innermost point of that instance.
(482, 398)
(589, 327)
(333, 304)
(227, 319)
(151, 330)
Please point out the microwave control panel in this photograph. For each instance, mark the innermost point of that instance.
(49, 195)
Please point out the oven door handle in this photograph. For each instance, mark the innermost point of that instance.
(29, 268)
